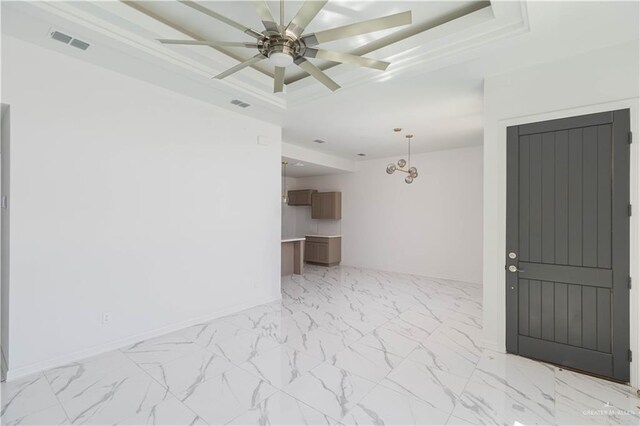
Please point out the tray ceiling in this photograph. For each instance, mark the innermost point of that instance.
(439, 28)
(193, 24)
(433, 87)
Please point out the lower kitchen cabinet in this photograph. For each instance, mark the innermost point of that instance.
(323, 250)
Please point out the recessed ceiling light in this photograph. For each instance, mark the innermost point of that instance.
(362, 154)
(319, 141)
(298, 164)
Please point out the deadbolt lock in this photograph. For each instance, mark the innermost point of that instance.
(512, 255)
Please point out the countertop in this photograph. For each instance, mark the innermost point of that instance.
(325, 236)
(291, 240)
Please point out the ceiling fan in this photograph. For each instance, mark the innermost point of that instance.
(285, 45)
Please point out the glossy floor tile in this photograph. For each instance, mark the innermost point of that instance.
(344, 346)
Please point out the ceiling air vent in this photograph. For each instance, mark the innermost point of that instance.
(320, 141)
(67, 39)
(238, 102)
(57, 35)
(79, 44)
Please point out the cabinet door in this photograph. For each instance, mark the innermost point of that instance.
(322, 253)
(316, 206)
(300, 197)
(326, 205)
(316, 252)
(294, 198)
(310, 252)
(336, 212)
(319, 206)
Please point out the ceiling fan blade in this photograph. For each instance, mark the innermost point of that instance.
(317, 73)
(240, 66)
(358, 28)
(278, 80)
(265, 15)
(346, 58)
(208, 43)
(305, 15)
(215, 15)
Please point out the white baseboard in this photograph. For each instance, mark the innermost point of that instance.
(17, 373)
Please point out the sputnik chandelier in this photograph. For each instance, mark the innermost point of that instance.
(411, 172)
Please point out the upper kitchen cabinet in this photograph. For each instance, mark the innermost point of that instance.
(301, 197)
(326, 205)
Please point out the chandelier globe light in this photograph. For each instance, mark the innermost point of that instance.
(411, 171)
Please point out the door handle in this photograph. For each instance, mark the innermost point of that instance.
(514, 268)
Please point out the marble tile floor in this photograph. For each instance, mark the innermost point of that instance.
(344, 346)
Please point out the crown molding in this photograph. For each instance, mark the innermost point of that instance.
(68, 11)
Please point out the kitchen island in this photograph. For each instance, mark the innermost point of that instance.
(292, 253)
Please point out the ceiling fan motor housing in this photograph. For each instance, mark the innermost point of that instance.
(278, 45)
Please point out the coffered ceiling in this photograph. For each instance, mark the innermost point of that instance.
(433, 87)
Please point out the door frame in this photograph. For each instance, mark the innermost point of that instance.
(498, 342)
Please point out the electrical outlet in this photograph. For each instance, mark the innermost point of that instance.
(106, 318)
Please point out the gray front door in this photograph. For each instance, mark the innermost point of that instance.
(567, 258)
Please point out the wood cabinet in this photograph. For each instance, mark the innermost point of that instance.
(323, 250)
(300, 197)
(326, 205)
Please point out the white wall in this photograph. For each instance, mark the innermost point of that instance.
(289, 213)
(132, 200)
(601, 80)
(432, 227)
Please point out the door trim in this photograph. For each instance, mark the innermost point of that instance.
(495, 220)
(620, 244)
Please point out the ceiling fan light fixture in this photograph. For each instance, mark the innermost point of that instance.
(283, 45)
(280, 59)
